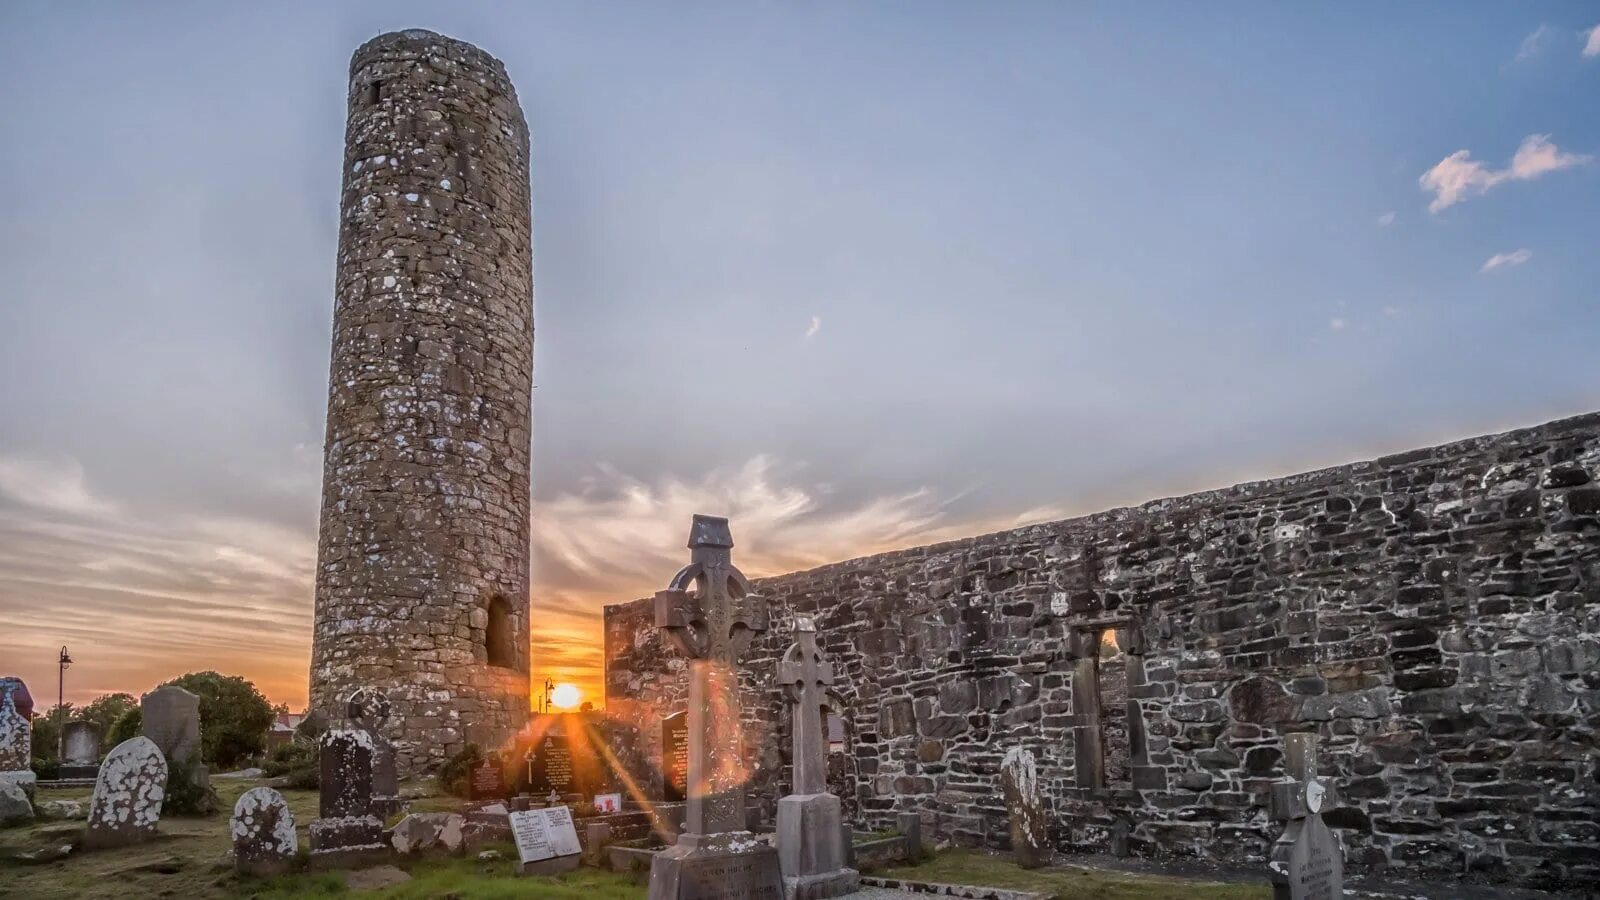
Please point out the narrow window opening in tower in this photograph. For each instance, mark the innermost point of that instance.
(374, 92)
(497, 635)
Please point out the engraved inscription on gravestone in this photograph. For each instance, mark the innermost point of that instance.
(675, 756)
(550, 766)
(487, 779)
(544, 833)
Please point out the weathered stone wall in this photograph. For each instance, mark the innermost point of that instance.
(422, 578)
(1434, 616)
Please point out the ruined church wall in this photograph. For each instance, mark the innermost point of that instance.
(422, 556)
(1434, 616)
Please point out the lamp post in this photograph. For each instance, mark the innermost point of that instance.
(548, 687)
(61, 701)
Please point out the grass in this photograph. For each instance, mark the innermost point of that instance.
(1075, 882)
(187, 861)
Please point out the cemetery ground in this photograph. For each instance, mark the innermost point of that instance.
(187, 860)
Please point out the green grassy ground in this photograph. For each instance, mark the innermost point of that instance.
(1064, 882)
(188, 861)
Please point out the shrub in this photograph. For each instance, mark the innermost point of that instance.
(131, 725)
(186, 794)
(234, 718)
(106, 710)
(299, 764)
(455, 776)
(46, 769)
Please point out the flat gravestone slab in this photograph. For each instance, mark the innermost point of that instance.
(262, 828)
(543, 834)
(127, 795)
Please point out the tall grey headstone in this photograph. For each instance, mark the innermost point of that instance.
(1030, 833)
(349, 829)
(170, 716)
(128, 794)
(811, 842)
(1307, 860)
(16, 734)
(710, 615)
(262, 828)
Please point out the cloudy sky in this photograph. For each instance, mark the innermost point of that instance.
(858, 275)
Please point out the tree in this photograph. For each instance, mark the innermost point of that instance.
(105, 710)
(130, 726)
(234, 717)
(47, 732)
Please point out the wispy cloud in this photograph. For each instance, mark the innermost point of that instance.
(1336, 324)
(1459, 176)
(1535, 43)
(814, 327)
(1591, 42)
(52, 485)
(1501, 260)
(622, 537)
(1386, 219)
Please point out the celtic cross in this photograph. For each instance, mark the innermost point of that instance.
(805, 677)
(712, 625)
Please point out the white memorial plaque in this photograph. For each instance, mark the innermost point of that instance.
(544, 833)
(608, 803)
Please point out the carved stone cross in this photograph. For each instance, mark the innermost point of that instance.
(712, 626)
(806, 677)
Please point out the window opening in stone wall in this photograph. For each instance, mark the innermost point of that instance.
(1111, 687)
(499, 634)
(374, 92)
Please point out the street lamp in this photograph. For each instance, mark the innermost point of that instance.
(61, 701)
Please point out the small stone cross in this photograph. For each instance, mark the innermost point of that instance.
(712, 626)
(805, 677)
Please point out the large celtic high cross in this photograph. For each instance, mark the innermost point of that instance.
(805, 677)
(712, 626)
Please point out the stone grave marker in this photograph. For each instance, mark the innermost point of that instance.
(171, 718)
(128, 793)
(550, 767)
(82, 744)
(710, 615)
(547, 840)
(262, 827)
(348, 831)
(1030, 833)
(675, 757)
(16, 734)
(487, 780)
(811, 842)
(1307, 860)
(368, 709)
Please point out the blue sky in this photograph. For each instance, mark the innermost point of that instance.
(859, 275)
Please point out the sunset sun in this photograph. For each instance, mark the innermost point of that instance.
(566, 696)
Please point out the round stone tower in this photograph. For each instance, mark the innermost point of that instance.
(422, 555)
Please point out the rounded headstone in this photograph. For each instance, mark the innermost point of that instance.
(16, 733)
(262, 826)
(128, 794)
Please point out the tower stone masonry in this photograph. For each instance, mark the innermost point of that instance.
(422, 557)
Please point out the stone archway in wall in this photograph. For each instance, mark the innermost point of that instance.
(1108, 725)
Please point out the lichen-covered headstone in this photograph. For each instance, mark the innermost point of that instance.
(16, 734)
(263, 833)
(127, 794)
(1030, 834)
(348, 831)
(367, 708)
